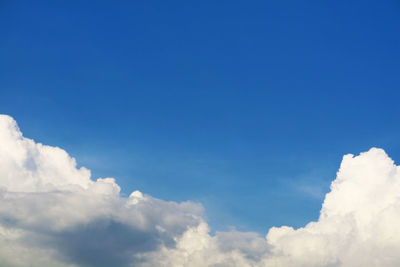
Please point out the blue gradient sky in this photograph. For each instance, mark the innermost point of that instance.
(245, 106)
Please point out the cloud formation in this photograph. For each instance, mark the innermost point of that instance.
(53, 214)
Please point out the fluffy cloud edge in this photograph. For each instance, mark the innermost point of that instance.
(53, 214)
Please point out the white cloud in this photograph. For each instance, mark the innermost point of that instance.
(53, 214)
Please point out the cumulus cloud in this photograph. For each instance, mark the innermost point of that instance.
(54, 214)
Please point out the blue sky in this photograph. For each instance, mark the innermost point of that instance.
(244, 106)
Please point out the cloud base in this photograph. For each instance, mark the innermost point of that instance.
(54, 214)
